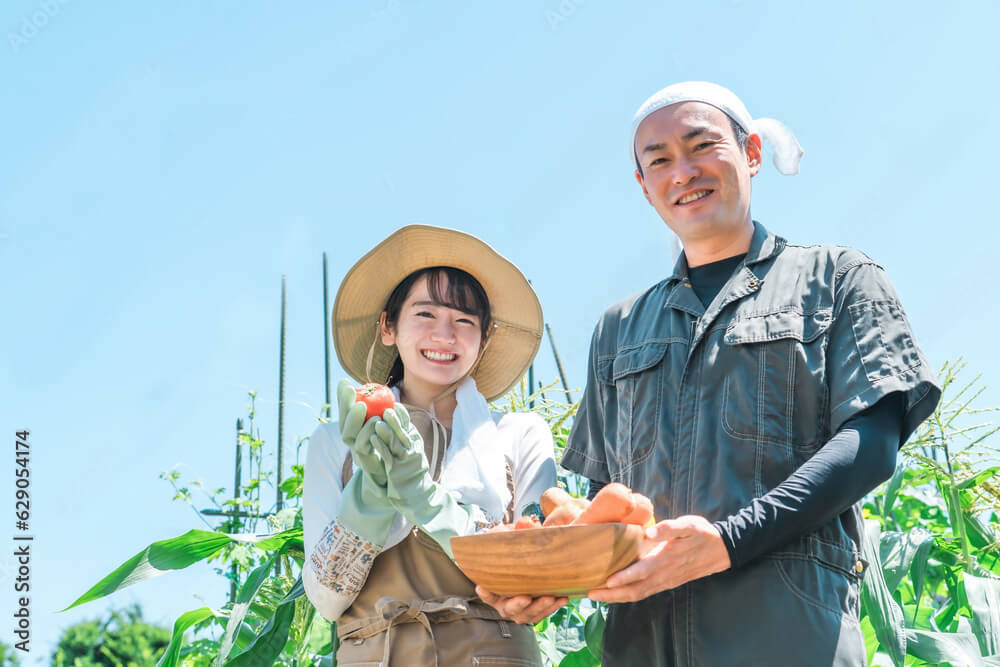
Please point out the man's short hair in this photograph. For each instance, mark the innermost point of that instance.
(738, 132)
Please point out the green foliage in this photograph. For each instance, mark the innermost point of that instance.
(270, 621)
(123, 640)
(8, 656)
(933, 584)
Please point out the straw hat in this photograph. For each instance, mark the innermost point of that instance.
(516, 312)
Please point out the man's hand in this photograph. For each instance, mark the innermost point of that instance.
(521, 608)
(674, 552)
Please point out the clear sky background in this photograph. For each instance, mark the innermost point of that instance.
(164, 164)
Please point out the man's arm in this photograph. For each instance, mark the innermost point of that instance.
(855, 460)
(858, 458)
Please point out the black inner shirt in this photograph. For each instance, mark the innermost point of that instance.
(708, 280)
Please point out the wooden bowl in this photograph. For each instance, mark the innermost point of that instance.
(564, 560)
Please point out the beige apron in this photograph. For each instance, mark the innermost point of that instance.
(417, 608)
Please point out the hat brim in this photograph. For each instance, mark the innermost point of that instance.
(365, 289)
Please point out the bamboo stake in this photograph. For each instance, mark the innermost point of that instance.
(281, 396)
(326, 338)
(237, 479)
(555, 353)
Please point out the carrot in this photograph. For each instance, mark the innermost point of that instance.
(565, 514)
(642, 515)
(553, 498)
(611, 504)
(529, 521)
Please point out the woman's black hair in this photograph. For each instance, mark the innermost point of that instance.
(462, 292)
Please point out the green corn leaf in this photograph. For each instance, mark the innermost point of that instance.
(892, 488)
(897, 552)
(175, 554)
(980, 534)
(886, 616)
(956, 516)
(580, 658)
(984, 598)
(978, 478)
(156, 559)
(955, 648)
(918, 567)
(921, 618)
(247, 593)
(593, 632)
(948, 551)
(871, 641)
(183, 622)
(273, 637)
(946, 615)
(546, 638)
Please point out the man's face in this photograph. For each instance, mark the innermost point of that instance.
(693, 172)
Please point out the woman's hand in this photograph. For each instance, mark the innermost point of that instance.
(357, 433)
(522, 608)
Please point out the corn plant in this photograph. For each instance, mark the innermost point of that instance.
(932, 592)
(271, 621)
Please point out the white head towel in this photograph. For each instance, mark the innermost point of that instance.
(785, 148)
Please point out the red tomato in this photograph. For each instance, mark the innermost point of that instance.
(377, 399)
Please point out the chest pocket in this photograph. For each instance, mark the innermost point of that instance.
(775, 362)
(636, 374)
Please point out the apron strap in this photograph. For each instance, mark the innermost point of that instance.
(392, 611)
(396, 611)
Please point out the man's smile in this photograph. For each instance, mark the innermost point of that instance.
(693, 196)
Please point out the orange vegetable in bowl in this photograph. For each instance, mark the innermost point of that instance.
(611, 505)
(563, 515)
(642, 514)
(553, 498)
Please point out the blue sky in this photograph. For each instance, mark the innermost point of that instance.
(166, 163)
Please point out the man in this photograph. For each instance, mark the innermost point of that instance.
(755, 395)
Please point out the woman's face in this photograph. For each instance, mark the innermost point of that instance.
(437, 344)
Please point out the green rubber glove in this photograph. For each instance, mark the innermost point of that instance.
(412, 490)
(356, 433)
(364, 506)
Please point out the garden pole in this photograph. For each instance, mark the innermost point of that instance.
(326, 339)
(531, 385)
(237, 480)
(555, 353)
(281, 410)
(281, 396)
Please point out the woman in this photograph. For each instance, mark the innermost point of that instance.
(449, 324)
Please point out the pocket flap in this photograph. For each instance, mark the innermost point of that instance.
(783, 324)
(631, 360)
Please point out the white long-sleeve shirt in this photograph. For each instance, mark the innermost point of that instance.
(337, 560)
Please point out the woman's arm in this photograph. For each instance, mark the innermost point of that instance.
(532, 460)
(338, 552)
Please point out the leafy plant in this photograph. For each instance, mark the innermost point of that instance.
(270, 621)
(123, 639)
(933, 586)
